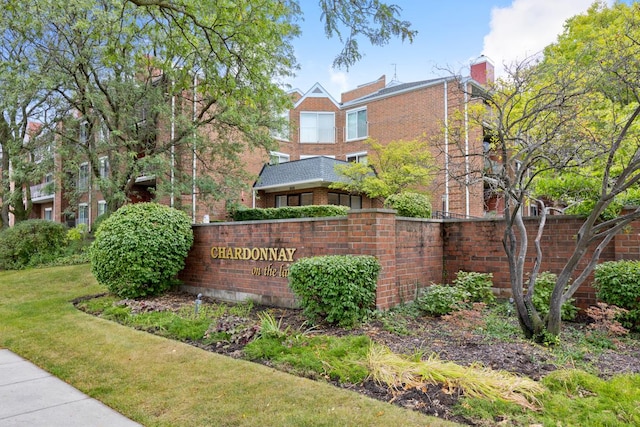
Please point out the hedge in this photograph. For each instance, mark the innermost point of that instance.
(287, 212)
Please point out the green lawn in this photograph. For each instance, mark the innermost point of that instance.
(160, 382)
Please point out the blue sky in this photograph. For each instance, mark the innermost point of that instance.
(451, 34)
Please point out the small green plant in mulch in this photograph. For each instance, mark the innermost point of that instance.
(478, 285)
(545, 282)
(617, 284)
(572, 398)
(321, 356)
(339, 289)
(438, 300)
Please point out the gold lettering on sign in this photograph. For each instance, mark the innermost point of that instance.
(271, 270)
(254, 254)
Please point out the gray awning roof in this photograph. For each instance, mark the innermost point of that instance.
(314, 171)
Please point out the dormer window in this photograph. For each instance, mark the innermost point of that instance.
(317, 127)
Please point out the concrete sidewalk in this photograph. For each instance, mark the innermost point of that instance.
(30, 396)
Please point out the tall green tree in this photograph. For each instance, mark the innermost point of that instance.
(24, 153)
(151, 88)
(574, 110)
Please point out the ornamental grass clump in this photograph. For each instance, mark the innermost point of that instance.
(398, 371)
(140, 248)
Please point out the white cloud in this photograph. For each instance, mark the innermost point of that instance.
(526, 27)
(339, 82)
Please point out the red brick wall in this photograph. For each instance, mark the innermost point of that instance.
(476, 245)
(419, 255)
(368, 231)
(627, 243)
(234, 279)
(364, 89)
(413, 253)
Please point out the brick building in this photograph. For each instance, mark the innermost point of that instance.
(322, 132)
(435, 110)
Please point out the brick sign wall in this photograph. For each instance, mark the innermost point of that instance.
(239, 260)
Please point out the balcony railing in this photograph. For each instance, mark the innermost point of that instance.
(450, 215)
(42, 192)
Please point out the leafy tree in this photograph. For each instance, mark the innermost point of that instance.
(23, 128)
(573, 111)
(155, 88)
(377, 21)
(394, 168)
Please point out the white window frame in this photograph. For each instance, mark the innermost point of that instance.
(102, 207)
(282, 134)
(103, 132)
(349, 136)
(83, 178)
(83, 133)
(359, 157)
(280, 199)
(82, 219)
(276, 157)
(48, 214)
(316, 134)
(104, 167)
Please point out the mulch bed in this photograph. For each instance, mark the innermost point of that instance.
(453, 338)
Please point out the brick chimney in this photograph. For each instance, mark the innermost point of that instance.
(482, 70)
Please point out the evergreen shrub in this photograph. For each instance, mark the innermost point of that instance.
(413, 205)
(30, 243)
(618, 283)
(259, 214)
(139, 249)
(341, 289)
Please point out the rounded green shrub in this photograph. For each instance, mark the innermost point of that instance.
(414, 205)
(340, 289)
(618, 283)
(30, 243)
(96, 224)
(139, 249)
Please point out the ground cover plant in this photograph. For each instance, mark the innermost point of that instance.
(471, 366)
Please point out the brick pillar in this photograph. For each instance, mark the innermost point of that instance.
(373, 232)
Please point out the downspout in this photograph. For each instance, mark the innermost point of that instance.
(253, 198)
(446, 149)
(173, 148)
(193, 166)
(466, 148)
(90, 210)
